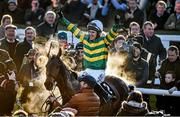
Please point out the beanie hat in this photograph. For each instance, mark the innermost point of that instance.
(62, 35)
(89, 80)
(139, 39)
(11, 26)
(13, 1)
(138, 45)
(79, 46)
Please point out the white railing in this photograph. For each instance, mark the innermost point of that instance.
(158, 92)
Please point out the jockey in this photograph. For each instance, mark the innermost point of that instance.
(95, 46)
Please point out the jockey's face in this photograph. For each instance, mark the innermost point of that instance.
(92, 34)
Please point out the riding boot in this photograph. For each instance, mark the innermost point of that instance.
(104, 96)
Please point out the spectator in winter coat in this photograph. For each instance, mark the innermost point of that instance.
(173, 22)
(87, 102)
(134, 105)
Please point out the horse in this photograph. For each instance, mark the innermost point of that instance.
(56, 71)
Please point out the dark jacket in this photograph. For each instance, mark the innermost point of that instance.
(10, 47)
(160, 21)
(74, 11)
(45, 30)
(87, 103)
(173, 18)
(138, 17)
(170, 66)
(138, 71)
(149, 57)
(155, 46)
(17, 15)
(4, 55)
(27, 75)
(34, 17)
(133, 108)
(22, 48)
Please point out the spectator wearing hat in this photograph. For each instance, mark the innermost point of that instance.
(62, 36)
(87, 102)
(16, 13)
(47, 27)
(149, 57)
(134, 105)
(118, 43)
(137, 68)
(9, 42)
(6, 20)
(22, 48)
(79, 56)
(34, 15)
(134, 29)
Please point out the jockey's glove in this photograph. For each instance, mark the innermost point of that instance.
(117, 27)
(61, 15)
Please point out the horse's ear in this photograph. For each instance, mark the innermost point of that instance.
(59, 53)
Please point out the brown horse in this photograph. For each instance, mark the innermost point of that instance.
(56, 71)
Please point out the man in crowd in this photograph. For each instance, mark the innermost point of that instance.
(137, 68)
(47, 27)
(153, 43)
(173, 22)
(171, 63)
(22, 48)
(9, 42)
(159, 16)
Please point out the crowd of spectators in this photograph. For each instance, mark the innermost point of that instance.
(138, 20)
(164, 14)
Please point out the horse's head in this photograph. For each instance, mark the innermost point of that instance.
(52, 72)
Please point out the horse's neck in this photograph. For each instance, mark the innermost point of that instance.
(66, 93)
